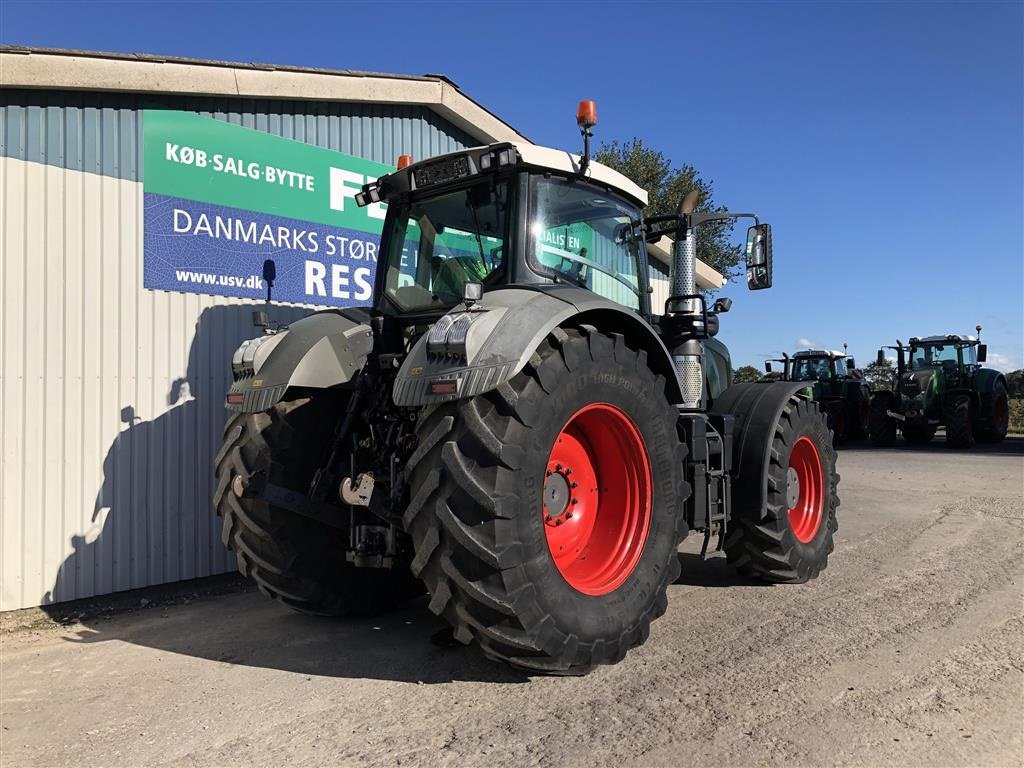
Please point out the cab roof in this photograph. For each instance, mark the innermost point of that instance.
(831, 353)
(559, 160)
(944, 339)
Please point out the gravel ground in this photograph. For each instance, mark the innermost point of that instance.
(909, 650)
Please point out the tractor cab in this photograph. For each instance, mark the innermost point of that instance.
(815, 366)
(952, 354)
(819, 366)
(507, 214)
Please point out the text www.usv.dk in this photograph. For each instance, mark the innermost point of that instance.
(228, 281)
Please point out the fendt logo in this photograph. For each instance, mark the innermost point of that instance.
(344, 186)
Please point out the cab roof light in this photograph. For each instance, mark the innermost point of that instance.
(586, 118)
(404, 161)
(586, 114)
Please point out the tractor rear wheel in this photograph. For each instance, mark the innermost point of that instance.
(918, 435)
(789, 538)
(997, 422)
(546, 514)
(882, 425)
(295, 559)
(959, 426)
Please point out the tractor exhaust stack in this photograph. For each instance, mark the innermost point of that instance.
(686, 306)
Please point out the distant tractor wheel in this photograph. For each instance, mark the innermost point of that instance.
(294, 559)
(546, 514)
(917, 434)
(959, 426)
(997, 423)
(861, 421)
(840, 424)
(882, 426)
(788, 538)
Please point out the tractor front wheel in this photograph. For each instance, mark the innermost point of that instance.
(860, 415)
(546, 514)
(997, 422)
(840, 423)
(959, 426)
(882, 425)
(788, 538)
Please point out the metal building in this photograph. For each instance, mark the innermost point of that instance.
(112, 392)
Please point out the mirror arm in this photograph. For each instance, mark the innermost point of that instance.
(700, 218)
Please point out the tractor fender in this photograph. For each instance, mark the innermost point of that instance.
(985, 380)
(323, 350)
(471, 351)
(755, 408)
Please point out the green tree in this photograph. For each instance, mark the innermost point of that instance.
(880, 376)
(666, 187)
(746, 373)
(1015, 383)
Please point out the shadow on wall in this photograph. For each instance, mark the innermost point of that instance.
(152, 519)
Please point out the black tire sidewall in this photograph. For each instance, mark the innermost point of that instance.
(881, 426)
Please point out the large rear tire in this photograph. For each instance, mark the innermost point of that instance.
(959, 425)
(882, 425)
(789, 537)
(997, 420)
(294, 559)
(546, 514)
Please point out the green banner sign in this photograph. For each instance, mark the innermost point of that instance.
(219, 199)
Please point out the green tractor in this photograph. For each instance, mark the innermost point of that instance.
(832, 380)
(940, 382)
(511, 427)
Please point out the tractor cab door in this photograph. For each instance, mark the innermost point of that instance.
(584, 235)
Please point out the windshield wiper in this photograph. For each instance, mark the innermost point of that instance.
(476, 233)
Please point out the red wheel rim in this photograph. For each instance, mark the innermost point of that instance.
(805, 489)
(596, 502)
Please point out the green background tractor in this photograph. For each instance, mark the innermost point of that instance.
(831, 380)
(940, 382)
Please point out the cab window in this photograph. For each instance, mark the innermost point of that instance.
(439, 244)
(580, 234)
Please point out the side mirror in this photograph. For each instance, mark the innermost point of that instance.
(851, 363)
(723, 304)
(759, 257)
(767, 366)
(881, 357)
(982, 353)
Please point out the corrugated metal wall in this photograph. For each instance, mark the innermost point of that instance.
(113, 395)
(102, 133)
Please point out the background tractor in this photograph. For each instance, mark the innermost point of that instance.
(940, 382)
(830, 379)
(512, 427)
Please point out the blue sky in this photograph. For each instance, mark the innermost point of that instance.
(882, 141)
